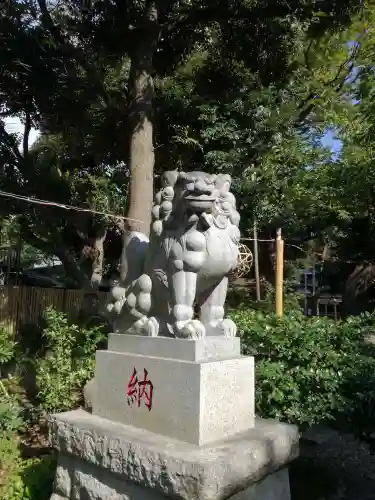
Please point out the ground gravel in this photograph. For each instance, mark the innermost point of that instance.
(333, 466)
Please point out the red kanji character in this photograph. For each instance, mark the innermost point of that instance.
(146, 390)
(138, 390)
(132, 389)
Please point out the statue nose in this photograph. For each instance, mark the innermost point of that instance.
(202, 188)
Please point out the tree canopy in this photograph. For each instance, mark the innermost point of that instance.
(117, 88)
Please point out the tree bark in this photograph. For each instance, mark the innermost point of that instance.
(142, 157)
(72, 268)
(98, 260)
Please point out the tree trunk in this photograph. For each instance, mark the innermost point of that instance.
(142, 156)
(326, 252)
(98, 259)
(59, 249)
(72, 268)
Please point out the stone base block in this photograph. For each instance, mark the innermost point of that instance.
(102, 460)
(206, 396)
(205, 349)
(88, 482)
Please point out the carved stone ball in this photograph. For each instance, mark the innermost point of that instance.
(168, 193)
(157, 227)
(158, 199)
(166, 206)
(117, 293)
(117, 307)
(145, 283)
(156, 211)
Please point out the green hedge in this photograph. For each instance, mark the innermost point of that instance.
(310, 370)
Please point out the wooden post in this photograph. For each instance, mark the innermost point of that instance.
(279, 273)
(256, 256)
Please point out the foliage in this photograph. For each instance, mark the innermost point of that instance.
(10, 409)
(68, 363)
(232, 78)
(19, 479)
(7, 347)
(10, 416)
(309, 370)
(29, 479)
(350, 176)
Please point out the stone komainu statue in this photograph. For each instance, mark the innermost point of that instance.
(193, 247)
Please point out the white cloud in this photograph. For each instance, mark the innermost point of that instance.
(13, 125)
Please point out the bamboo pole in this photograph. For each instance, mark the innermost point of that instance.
(255, 248)
(279, 273)
(256, 261)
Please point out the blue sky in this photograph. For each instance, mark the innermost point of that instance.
(13, 124)
(329, 141)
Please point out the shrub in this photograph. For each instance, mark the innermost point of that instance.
(67, 364)
(10, 416)
(30, 479)
(19, 479)
(10, 408)
(7, 349)
(309, 370)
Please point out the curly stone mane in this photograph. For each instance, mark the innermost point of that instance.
(169, 209)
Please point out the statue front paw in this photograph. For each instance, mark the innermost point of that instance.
(192, 329)
(146, 326)
(228, 328)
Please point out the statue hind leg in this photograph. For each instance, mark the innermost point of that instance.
(132, 307)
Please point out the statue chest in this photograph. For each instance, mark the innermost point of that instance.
(221, 253)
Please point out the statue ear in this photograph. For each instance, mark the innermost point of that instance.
(223, 182)
(181, 178)
(169, 178)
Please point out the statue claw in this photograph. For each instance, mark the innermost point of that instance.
(228, 328)
(193, 330)
(152, 327)
(145, 326)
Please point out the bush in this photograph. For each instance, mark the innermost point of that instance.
(7, 350)
(310, 370)
(10, 416)
(68, 363)
(10, 408)
(30, 479)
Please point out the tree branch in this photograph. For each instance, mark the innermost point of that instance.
(49, 24)
(71, 267)
(61, 40)
(348, 64)
(26, 135)
(34, 240)
(11, 145)
(32, 9)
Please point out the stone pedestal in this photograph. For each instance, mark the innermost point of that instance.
(171, 418)
(202, 390)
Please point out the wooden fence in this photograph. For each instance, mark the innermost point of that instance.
(21, 305)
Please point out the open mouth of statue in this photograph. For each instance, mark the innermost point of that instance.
(199, 203)
(199, 197)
